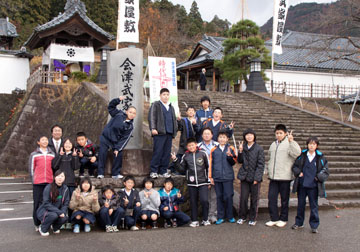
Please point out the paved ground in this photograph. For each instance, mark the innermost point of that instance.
(339, 231)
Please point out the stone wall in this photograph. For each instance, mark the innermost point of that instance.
(75, 107)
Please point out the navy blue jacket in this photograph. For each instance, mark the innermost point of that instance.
(118, 131)
(60, 206)
(322, 172)
(186, 127)
(170, 200)
(221, 165)
(217, 128)
(133, 198)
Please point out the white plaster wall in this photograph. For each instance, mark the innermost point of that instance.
(14, 72)
(321, 81)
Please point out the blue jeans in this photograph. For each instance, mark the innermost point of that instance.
(312, 194)
(113, 219)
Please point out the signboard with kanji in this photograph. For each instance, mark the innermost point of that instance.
(280, 12)
(162, 74)
(128, 21)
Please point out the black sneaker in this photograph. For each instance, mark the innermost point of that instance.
(295, 227)
(314, 230)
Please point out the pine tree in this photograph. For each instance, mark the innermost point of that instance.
(195, 20)
(243, 44)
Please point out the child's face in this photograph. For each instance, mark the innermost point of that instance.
(68, 146)
(207, 135)
(217, 114)
(148, 185)
(43, 142)
(164, 97)
(168, 186)
(108, 194)
(59, 179)
(205, 104)
(312, 146)
(81, 140)
(190, 112)
(129, 184)
(222, 139)
(85, 186)
(131, 113)
(280, 135)
(191, 147)
(57, 133)
(249, 138)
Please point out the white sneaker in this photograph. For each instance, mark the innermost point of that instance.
(57, 231)
(271, 223)
(241, 221)
(166, 175)
(100, 176)
(43, 234)
(154, 175)
(118, 176)
(252, 223)
(194, 224)
(134, 228)
(206, 223)
(281, 223)
(212, 219)
(36, 228)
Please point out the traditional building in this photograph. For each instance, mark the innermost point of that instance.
(69, 40)
(7, 34)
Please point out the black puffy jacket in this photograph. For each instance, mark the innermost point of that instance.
(253, 163)
(68, 164)
(196, 166)
(322, 172)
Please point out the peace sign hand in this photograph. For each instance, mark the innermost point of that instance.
(290, 136)
(61, 151)
(232, 124)
(241, 146)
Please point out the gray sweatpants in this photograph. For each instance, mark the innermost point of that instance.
(212, 202)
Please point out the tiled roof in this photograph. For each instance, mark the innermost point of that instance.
(7, 29)
(317, 51)
(72, 8)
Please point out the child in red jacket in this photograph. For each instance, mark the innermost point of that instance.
(41, 173)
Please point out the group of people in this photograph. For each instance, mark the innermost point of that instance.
(204, 156)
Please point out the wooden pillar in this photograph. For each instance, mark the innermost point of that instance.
(187, 80)
(214, 80)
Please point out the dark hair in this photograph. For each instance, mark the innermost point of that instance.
(163, 90)
(218, 109)
(148, 179)
(80, 134)
(207, 128)
(312, 139)
(129, 177)
(280, 127)
(205, 98)
(38, 139)
(54, 126)
(191, 140)
(190, 107)
(83, 180)
(107, 187)
(54, 191)
(223, 132)
(131, 107)
(68, 139)
(169, 180)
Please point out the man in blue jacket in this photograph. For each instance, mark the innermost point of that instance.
(115, 136)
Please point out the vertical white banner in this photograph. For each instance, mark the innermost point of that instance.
(162, 74)
(280, 12)
(128, 21)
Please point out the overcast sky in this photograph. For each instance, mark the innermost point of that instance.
(257, 10)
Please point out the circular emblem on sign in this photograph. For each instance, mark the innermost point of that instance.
(65, 62)
(70, 52)
(199, 161)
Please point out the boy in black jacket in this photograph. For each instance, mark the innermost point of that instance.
(88, 154)
(163, 127)
(130, 201)
(311, 172)
(115, 136)
(251, 156)
(196, 165)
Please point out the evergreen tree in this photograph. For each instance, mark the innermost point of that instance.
(243, 44)
(195, 20)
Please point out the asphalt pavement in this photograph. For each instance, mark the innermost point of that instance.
(339, 231)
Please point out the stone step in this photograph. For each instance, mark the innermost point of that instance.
(342, 184)
(344, 177)
(343, 170)
(339, 203)
(342, 194)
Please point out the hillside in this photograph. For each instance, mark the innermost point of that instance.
(338, 18)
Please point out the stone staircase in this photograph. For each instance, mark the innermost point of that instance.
(339, 142)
